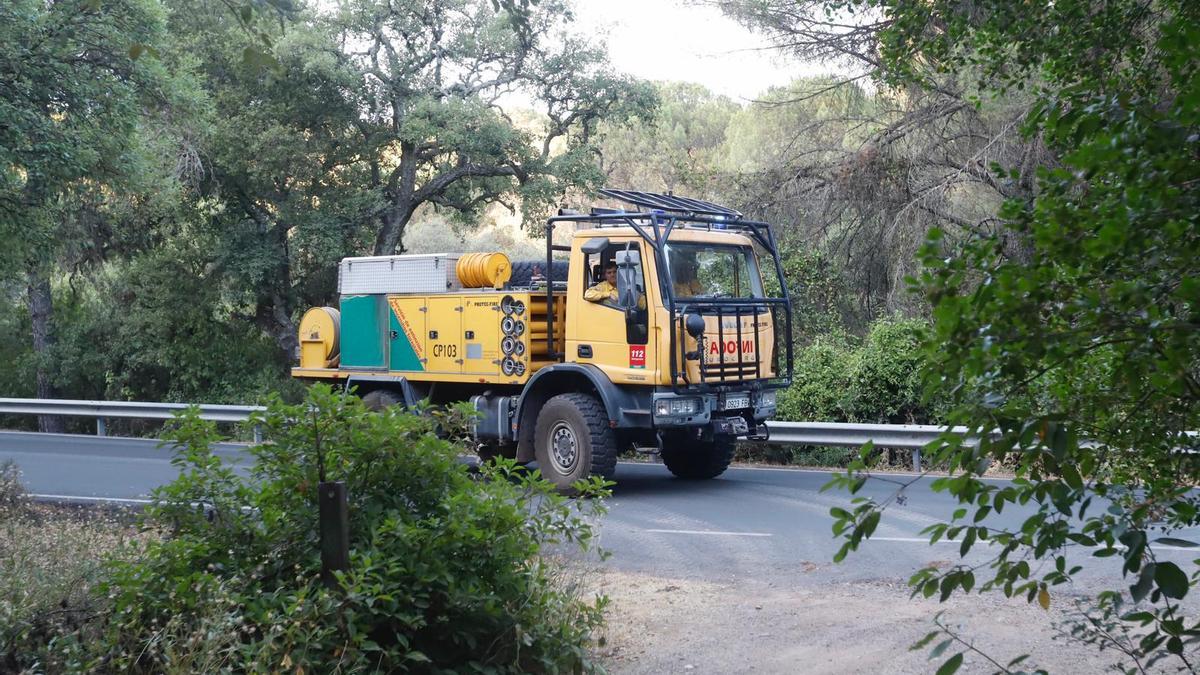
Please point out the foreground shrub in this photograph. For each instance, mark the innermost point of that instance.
(448, 573)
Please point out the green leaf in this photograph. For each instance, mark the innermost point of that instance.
(1171, 580)
(1071, 476)
(941, 647)
(920, 644)
(1144, 584)
(967, 542)
(951, 665)
(1138, 617)
(1172, 541)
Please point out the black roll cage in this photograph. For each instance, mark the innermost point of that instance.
(654, 226)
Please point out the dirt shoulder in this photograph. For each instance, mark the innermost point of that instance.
(663, 625)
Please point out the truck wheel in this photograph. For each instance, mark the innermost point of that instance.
(572, 440)
(380, 399)
(697, 460)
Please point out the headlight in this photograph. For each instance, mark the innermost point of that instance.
(666, 407)
(768, 399)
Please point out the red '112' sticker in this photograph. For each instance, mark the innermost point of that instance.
(637, 356)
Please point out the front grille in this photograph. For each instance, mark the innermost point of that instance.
(730, 371)
(731, 354)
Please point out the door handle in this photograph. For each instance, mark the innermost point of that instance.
(585, 351)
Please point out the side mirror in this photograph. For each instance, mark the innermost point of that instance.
(594, 245)
(694, 323)
(627, 277)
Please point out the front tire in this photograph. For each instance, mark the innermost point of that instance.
(693, 459)
(573, 440)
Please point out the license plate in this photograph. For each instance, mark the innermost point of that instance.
(735, 402)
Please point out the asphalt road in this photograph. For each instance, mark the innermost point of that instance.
(751, 522)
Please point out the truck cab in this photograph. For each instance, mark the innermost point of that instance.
(667, 329)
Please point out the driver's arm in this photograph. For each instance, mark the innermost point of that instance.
(600, 292)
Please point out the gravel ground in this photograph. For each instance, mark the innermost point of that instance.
(662, 625)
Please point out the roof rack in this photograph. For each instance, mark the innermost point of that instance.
(671, 203)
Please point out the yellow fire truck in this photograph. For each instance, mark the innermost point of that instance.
(659, 331)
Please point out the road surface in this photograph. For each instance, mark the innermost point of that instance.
(749, 522)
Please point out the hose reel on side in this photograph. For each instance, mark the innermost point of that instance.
(481, 270)
(320, 338)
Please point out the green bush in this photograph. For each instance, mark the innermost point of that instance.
(448, 571)
(820, 382)
(877, 379)
(839, 378)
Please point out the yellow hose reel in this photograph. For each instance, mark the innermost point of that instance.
(319, 338)
(479, 270)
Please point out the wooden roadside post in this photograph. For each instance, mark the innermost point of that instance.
(335, 530)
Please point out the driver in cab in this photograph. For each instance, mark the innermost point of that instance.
(606, 290)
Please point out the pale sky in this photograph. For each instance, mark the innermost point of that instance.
(668, 40)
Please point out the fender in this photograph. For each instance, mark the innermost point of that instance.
(626, 406)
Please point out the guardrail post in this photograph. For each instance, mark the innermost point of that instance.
(101, 430)
(257, 434)
(335, 530)
(917, 460)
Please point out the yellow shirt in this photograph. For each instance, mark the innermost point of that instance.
(606, 291)
(688, 289)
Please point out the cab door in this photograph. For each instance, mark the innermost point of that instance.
(614, 335)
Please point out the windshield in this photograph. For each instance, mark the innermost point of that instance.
(713, 271)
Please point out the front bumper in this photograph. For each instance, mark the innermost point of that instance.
(733, 413)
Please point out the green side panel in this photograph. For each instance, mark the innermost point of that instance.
(363, 331)
(404, 357)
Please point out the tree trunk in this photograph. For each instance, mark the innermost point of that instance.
(394, 221)
(41, 315)
(402, 201)
(275, 309)
(275, 317)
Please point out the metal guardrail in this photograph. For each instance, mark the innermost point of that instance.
(100, 410)
(902, 436)
(912, 437)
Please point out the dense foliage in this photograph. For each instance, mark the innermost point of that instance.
(840, 378)
(179, 179)
(1090, 332)
(449, 572)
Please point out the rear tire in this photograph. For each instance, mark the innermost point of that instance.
(693, 459)
(381, 399)
(573, 440)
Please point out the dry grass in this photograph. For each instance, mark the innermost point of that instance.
(51, 557)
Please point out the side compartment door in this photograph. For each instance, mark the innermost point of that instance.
(444, 336)
(363, 330)
(481, 335)
(408, 337)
